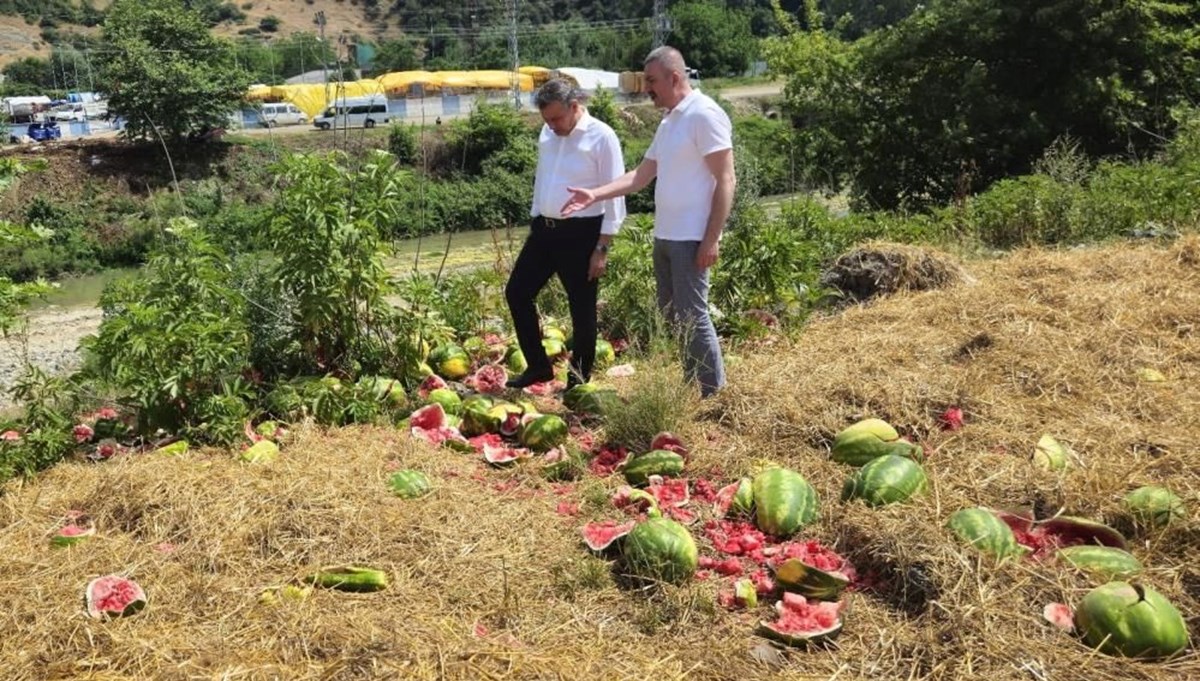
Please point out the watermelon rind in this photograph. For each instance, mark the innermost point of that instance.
(799, 577)
(870, 439)
(984, 530)
(1101, 561)
(783, 501)
(661, 462)
(349, 578)
(773, 631)
(1129, 620)
(62, 540)
(409, 484)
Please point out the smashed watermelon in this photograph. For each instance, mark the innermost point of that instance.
(114, 596)
(600, 536)
(489, 379)
(670, 442)
(801, 621)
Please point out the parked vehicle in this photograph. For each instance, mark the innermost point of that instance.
(42, 132)
(353, 112)
(79, 111)
(281, 113)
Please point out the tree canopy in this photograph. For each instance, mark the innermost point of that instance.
(166, 71)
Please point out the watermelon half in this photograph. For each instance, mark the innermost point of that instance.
(114, 596)
(801, 621)
(600, 536)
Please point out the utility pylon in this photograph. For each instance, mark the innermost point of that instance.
(513, 54)
(662, 23)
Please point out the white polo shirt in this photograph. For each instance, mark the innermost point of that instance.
(695, 128)
(588, 156)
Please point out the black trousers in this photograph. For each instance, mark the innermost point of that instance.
(562, 247)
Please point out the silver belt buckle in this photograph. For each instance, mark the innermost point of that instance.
(551, 223)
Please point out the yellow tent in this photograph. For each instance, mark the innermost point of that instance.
(313, 98)
(484, 80)
(540, 74)
(402, 81)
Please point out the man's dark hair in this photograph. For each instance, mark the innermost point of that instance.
(557, 90)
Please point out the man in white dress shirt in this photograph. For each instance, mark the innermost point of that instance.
(573, 149)
(692, 157)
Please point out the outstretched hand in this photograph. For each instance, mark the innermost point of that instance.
(580, 199)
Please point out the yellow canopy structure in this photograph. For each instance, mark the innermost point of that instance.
(398, 82)
(313, 98)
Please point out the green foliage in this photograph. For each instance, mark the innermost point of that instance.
(168, 73)
(603, 107)
(961, 94)
(629, 304)
(45, 426)
(269, 24)
(396, 55)
(714, 39)
(402, 142)
(326, 235)
(490, 129)
(175, 336)
(659, 399)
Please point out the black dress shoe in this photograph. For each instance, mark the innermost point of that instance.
(529, 378)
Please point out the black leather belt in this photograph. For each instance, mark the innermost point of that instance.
(554, 223)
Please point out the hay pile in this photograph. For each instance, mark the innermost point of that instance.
(489, 580)
(876, 269)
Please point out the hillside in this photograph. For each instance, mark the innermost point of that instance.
(490, 580)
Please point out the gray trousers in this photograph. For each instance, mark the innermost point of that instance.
(683, 300)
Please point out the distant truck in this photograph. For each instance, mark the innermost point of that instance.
(353, 112)
(79, 111)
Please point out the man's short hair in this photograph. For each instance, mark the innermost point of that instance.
(670, 58)
(557, 90)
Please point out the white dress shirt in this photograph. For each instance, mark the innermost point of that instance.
(695, 128)
(588, 156)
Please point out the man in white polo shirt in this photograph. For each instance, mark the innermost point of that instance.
(692, 157)
(573, 148)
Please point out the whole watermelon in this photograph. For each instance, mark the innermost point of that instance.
(870, 439)
(1131, 621)
(783, 501)
(886, 480)
(450, 362)
(661, 549)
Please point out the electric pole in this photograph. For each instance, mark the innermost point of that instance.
(662, 23)
(319, 20)
(513, 55)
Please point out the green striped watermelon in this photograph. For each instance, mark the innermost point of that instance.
(1130, 621)
(661, 549)
(985, 531)
(349, 578)
(870, 439)
(409, 484)
(1101, 561)
(654, 462)
(783, 501)
(886, 480)
(544, 432)
(1154, 506)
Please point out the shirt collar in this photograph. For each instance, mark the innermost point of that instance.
(686, 102)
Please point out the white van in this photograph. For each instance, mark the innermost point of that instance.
(353, 112)
(281, 113)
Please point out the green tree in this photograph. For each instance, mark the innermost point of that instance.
(713, 38)
(965, 92)
(167, 71)
(396, 55)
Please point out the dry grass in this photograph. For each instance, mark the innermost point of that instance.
(1043, 342)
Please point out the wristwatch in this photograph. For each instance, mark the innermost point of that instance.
(602, 248)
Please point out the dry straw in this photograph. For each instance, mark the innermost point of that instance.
(489, 581)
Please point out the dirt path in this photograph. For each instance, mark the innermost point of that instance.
(751, 91)
(52, 342)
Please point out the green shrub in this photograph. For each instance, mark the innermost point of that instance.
(403, 144)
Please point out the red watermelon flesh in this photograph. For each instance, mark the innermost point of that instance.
(503, 454)
(672, 492)
(489, 379)
(813, 554)
(600, 535)
(113, 596)
(802, 620)
(1060, 615)
(429, 417)
(431, 383)
(670, 442)
(436, 436)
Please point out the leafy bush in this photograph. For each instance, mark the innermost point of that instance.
(490, 129)
(175, 336)
(402, 142)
